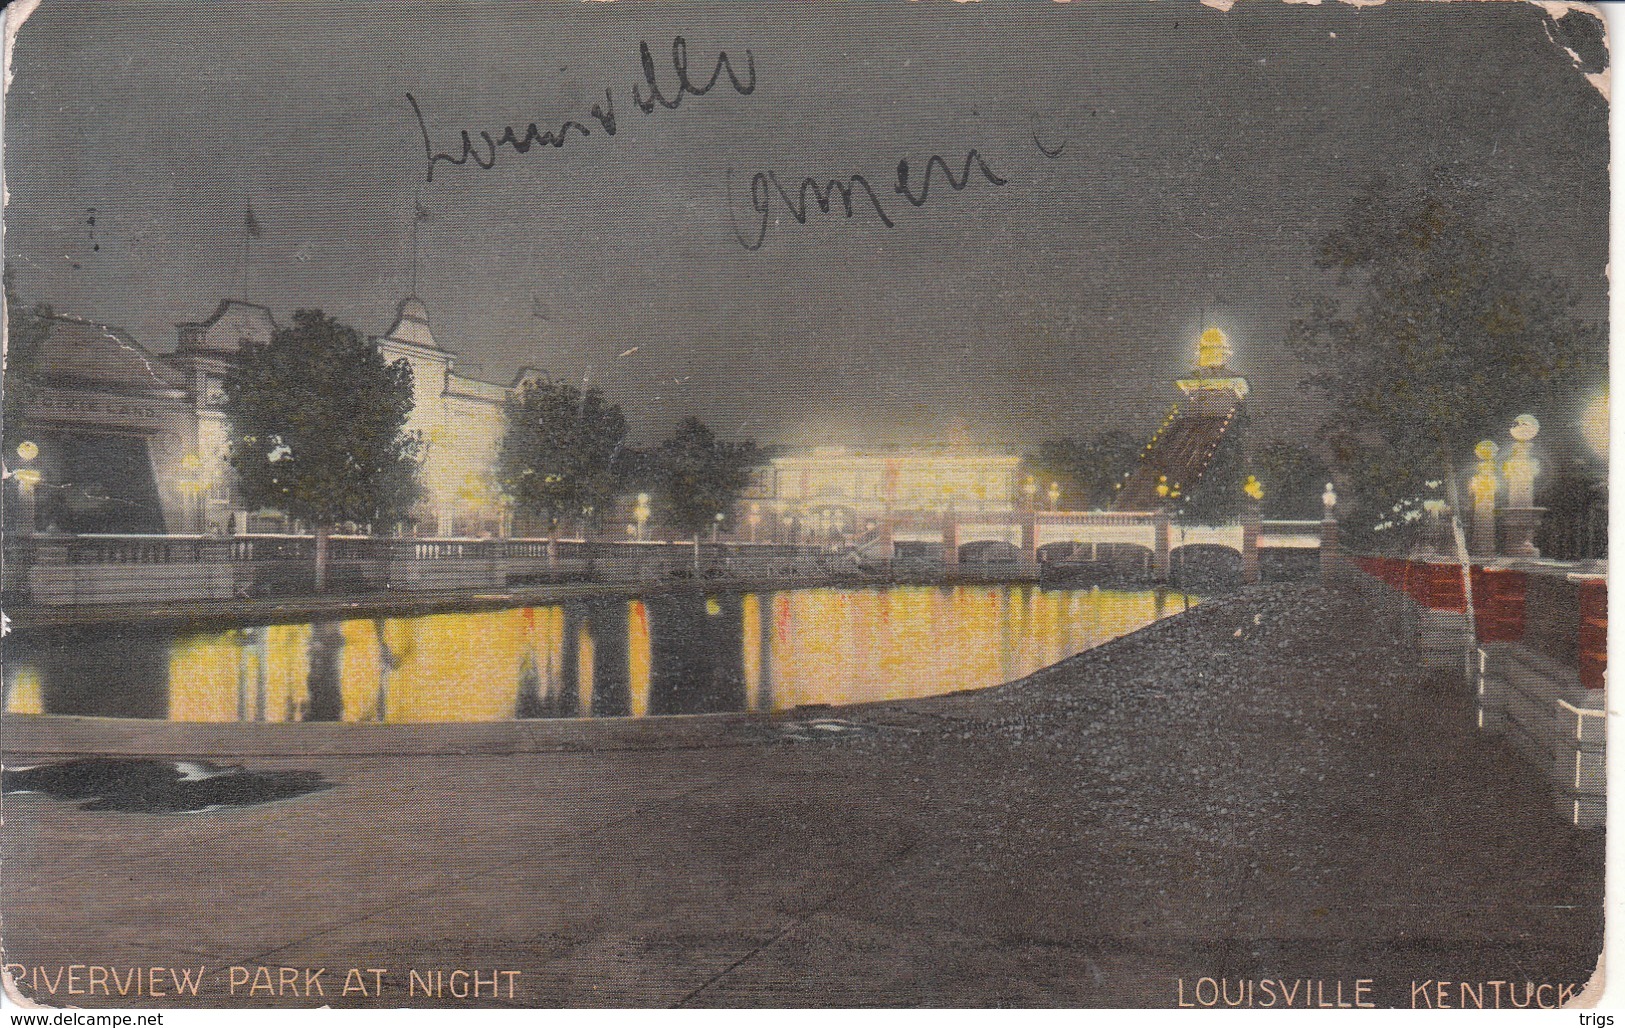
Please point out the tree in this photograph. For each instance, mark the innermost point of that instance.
(561, 454)
(1441, 335)
(1086, 470)
(1293, 477)
(317, 428)
(701, 477)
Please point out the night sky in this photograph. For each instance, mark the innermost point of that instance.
(1205, 155)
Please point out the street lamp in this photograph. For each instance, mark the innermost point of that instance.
(753, 519)
(640, 513)
(1054, 494)
(716, 526)
(1030, 487)
(192, 484)
(1483, 486)
(1521, 466)
(27, 478)
(1328, 499)
(1522, 516)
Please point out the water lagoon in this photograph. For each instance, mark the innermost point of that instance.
(671, 653)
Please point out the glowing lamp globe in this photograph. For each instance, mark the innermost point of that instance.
(1525, 427)
(1213, 351)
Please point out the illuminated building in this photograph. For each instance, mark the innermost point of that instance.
(133, 441)
(461, 422)
(842, 493)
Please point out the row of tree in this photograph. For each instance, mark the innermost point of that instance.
(1433, 335)
(318, 431)
(1433, 332)
(1088, 472)
(565, 458)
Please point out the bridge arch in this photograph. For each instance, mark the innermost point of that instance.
(1062, 551)
(989, 551)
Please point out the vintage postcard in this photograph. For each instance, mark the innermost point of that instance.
(805, 504)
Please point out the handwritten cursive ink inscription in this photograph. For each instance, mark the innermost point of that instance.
(764, 184)
(679, 62)
(481, 148)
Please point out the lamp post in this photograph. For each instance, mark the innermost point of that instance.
(1522, 517)
(1054, 494)
(1251, 510)
(753, 519)
(28, 477)
(192, 486)
(1483, 486)
(640, 513)
(1328, 533)
(1030, 489)
(716, 526)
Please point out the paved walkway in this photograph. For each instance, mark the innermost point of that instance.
(1259, 788)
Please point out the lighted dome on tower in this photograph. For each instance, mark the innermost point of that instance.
(1213, 351)
(1212, 388)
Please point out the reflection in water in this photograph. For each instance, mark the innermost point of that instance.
(325, 698)
(116, 673)
(673, 653)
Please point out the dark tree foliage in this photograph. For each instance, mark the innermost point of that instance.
(26, 328)
(317, 426)
(701, 477)
(562, 455)
(1087, 470)
(1438, 336)
(1575, 526)
(1293, 476)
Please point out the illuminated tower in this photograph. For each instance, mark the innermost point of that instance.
(1173, 462)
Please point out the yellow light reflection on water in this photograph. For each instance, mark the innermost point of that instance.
(639, 654)
(584, 659)
(926, 640)
(750, 622)
(803, 646)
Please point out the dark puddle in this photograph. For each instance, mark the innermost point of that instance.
(159, 786)
(825, 729)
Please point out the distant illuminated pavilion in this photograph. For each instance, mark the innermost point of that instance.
(838, 492)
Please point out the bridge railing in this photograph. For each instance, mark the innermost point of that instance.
(1096, 517)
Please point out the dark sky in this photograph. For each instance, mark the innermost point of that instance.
(1206, 154)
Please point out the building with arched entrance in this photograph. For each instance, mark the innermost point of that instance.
(123, 439)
